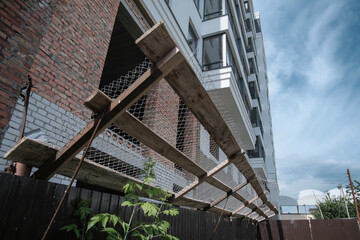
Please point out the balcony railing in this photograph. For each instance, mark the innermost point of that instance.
(212, 15)
(212, 65)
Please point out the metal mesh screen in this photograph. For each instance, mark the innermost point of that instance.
(164, 112)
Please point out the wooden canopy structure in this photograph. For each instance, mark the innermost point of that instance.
(171, 65)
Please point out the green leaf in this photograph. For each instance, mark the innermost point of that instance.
(113, 237)
(69, 227)
(129, 187)
(149, 192)
(77, 233)
(94, 220)
(110, 230)
(125, 226)
(127, 203)
(105, 220)
(164, 225)
(149, 209)
(138, 186)
(114, 219)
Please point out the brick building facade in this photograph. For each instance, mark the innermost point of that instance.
(70, 49)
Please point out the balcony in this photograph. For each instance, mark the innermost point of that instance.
(259, 166)
(223, 88)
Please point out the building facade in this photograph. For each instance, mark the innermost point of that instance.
(72, 48)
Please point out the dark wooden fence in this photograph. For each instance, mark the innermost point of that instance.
(26, 206)
(327, 229)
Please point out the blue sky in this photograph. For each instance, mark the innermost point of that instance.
(313, 58)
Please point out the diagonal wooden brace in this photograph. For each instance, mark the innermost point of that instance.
(117, 107)
(223, 197)
(209, 176)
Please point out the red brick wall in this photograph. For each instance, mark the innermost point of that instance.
(161, 115)
(61, 44)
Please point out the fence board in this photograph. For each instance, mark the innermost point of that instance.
(28, 204)
(319, 229)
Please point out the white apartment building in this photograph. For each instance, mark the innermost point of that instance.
(224, 42)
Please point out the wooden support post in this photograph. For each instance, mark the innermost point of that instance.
(352, 190)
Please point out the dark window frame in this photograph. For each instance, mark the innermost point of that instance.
(219, 63)
(214, 14)
(193, 38)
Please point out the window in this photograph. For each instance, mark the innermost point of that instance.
(258, 152)
(213, 9)
(214, 148)
(192, 40)
(252, 89)
(250, 45)
(248, 25)
(247, 7)
(257, 25)
(251, 65)
(212, 54)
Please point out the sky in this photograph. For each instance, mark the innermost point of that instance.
(313, 59)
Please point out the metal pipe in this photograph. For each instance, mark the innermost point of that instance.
(20, 168)
(74, 175)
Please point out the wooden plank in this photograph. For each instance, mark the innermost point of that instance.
(185, 83)
(131, 125)
(218, 184)
(157, 42)
(30, 151)
(35, 153)
(223, 197)
(117, 107)
(209, 174)
(97, 101)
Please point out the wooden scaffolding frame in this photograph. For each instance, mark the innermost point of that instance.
(171, 65)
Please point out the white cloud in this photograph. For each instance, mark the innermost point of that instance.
(314, 108)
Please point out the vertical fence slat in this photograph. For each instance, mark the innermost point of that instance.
(26, 206)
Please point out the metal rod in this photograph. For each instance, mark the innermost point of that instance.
(352, 190)
(217, 224)
(20, 168)
(74, 175)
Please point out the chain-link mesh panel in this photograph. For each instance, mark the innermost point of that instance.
(166, 114)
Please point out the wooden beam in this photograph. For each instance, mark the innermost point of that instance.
(209, 177)
(138, 130)
(185, 83)
(97, 102)
(117, 107)
(34, 153)
(131, 125)
(158, 42)
(223, 197)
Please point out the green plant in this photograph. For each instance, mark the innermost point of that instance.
(118, 229)
(82, 214)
